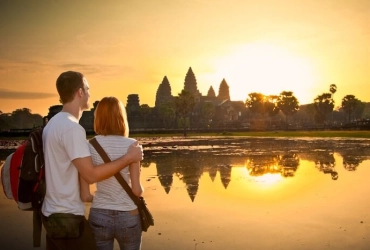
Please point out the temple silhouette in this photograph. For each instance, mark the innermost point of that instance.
(141, 117)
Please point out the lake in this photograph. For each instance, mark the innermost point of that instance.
(256, 193)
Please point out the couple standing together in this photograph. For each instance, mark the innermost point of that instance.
(71, 164)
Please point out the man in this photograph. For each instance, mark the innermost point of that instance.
(67, 156)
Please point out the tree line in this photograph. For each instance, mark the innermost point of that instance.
(185, 112)
(288, 104)
(20, 119)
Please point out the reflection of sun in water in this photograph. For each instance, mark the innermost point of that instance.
(264, 175)
(267, 179)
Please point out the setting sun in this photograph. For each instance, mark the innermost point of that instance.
(266, 69)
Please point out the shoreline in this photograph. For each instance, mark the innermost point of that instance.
(271, 133)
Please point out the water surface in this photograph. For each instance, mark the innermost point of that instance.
(258, 193)
(245, 193)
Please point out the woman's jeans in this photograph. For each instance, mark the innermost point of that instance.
(108, 225)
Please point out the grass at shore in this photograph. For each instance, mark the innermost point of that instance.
(326, 134)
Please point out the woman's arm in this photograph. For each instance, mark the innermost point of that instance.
(136, 187)
(85, 194)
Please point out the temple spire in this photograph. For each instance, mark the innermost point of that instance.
(163, 93)
(190, 84)
(211, 92)
(223, 92)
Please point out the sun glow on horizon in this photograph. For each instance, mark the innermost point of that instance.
(265, 69)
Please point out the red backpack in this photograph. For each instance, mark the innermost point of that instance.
(23, 179)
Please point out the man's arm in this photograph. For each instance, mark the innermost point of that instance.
(92, 174)
(136, 186)
(85, 194)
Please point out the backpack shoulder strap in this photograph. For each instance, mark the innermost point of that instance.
(37, 148)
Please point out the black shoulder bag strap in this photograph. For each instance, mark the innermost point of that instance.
(118, 176)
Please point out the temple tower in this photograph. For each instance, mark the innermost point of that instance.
(190, 85)
(163, 93)
(223, 93)
(133, 104)
(211, 93)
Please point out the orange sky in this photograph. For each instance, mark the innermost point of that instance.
(126, 47)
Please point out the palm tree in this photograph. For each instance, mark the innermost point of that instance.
(271, 107)
(255, 103)
(349, 104)
(332, 89)
(288, 103)
(324, 104)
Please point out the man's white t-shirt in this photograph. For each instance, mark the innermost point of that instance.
(64, 140)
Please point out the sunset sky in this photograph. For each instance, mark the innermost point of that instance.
(126, 47)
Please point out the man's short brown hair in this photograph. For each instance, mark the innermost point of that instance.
(67, 84)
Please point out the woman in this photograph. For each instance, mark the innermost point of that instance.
(113, 215)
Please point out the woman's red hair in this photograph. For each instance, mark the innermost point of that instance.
(111, 118)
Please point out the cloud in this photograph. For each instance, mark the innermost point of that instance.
(10, 94)
(99, 69)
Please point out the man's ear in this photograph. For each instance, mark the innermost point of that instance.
(79, 92)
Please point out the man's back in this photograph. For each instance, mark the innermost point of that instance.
(64, 140)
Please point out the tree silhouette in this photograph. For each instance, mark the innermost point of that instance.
(167, 114)
(324, 105)
(23, 118)
(349, 104)
(359, 110)
(208, 111)
(271, 107)
(332, 89)
(262, 105)
(288, 103)
(184, 105)
(145, 111)
(255, 103)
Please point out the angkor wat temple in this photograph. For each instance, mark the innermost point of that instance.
(141, 117)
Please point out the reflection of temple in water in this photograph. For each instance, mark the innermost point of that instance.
(189, 168)
(188, 163)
